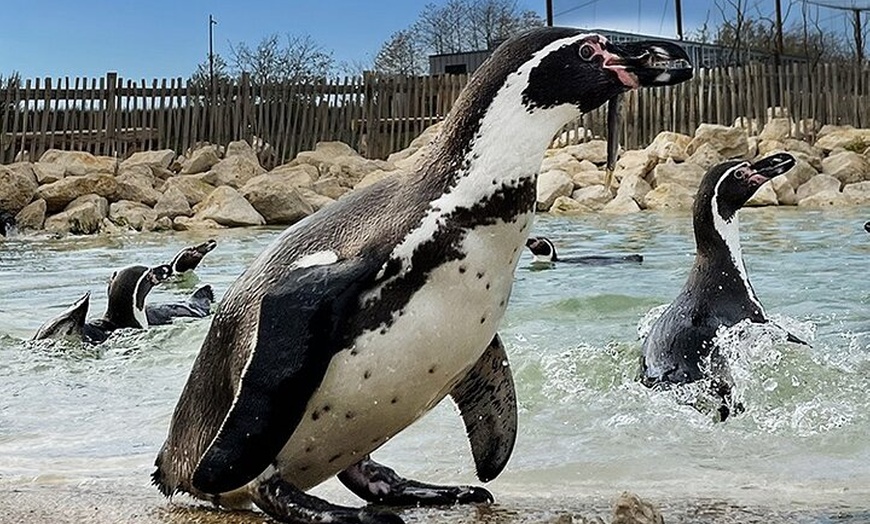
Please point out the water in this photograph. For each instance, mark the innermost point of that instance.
(88, 422)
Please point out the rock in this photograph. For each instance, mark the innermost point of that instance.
(228, 208)
(376, 176)
(730, 142)
(107, 227)
(630, 509)
(633, 187)
(58, 194)
(776, 129)
(567, 206)
(191, 186)
(705, 156)
(151, 159)
(825, 198)
(136, 184)
(811, 153)
(78, 163)
(621, 205)
(46, 173)
(563, 161)
(315, 200)
(636, 159)
(551, 185)
(669, 196)
(134, 215)
(32, 216)
(685, 174)
(847, 167)
(183, 223)
(172, 203)
(276, 201)
(766, 147)
(83, 216)
(748, 124)
(100, 203)
(668, 144)
(200, 160)
(593, 197)
(859, 192)
(843, 137)
(241, 148)
(301, 172)
(784, 190)
(800, 173)
(234, 171)
(588, 178)
(594, 151)
(764, 196)
(161, 174)
(806, 128)
(420, 143)
(817, 184)
(163, 224)
(326, 153)
(16, 189)
(329, 187)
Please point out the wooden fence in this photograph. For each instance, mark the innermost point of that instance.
(379, 115)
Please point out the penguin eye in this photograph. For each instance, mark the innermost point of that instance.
(587, 52)
(741, 174)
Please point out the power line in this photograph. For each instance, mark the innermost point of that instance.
(581, 6)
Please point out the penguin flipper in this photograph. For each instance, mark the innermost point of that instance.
(488, 402)
(296, 339)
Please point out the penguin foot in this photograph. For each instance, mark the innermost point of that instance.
(379, 484)
(285, 503)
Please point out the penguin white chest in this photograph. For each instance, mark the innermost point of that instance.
(394, 374)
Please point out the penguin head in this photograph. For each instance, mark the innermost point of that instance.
(588, 70)
(867, 227)
(542, 248)
(127, 291)
(7, 224)
(729, 185)
(188, 258)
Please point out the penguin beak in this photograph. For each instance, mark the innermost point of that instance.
(206, 247)
(770, 167)
(648, 63)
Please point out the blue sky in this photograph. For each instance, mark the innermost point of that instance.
(160, 38)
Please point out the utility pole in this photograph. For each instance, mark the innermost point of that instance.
(549, 13)
(211, 23)
(678, 7)
(777, 58)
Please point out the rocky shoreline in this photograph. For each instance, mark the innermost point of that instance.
(71, 192)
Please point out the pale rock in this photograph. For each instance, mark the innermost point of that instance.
(376, 176)
(58, 194)
(567, 206)
(136, 183)
(832, 138)
(151, 159)
(586, 165)
(229, 208)
(749, 124)
(329, 187)
(32, 216)
(200, 160)
(163, 224)
(752, 147)
(801, 173)
(636, 158)
(241, 148)
(172, 203)
(562, 161)
(594, 151)
(776, 129)
(315, 200)
(806, 128)
(588, 178)
(593, 197)
(233, 171)
(83, 216)
(275, 200)
(23, 168)
(77, 163)
(134, 215)
(706, 156)
(551, 185)
(829, 129)
(46, 173)
(669, 196)
(817, 184)
(349, 170)
(107, 227)
(621, 205)
(858, 192)
(730, 142)
(669, 172)
(633, 187)
(764, 196)
(16, 189)
(669, 145)
(630, 509)
(621, 174)
(191, 186)
(848, 167)
(325, 153)
(297, 174)
(766, 147)
(784, 190)
(100, 203)
(419, 144)
(182, 223)
(162, 174)
(826, 198)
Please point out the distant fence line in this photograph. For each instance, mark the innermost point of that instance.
(378, 115)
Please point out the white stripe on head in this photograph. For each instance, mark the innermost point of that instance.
(729, 231)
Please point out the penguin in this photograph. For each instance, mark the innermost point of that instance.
(545, 253)
(363, 316)
(198, 305)
(188, 258)
(867, 227)
(126, 309)
(8, 224)
(717, 293)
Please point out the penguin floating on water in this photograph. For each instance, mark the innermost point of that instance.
(717, 293)
(127, 292)
(189, 258)
(362, 317)
(8, 225)
(198, 304)
(545, 253)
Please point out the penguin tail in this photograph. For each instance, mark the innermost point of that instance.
(203, 294)
(160, 478)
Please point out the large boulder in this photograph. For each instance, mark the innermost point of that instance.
(58, 194)
(228, 208)
(46, 173)
(785, 193)
(83, 216)
(705, 156)
(561, 160)
(183, 223)
(669, 196)
(134, 215)
(621, 205)
(376, 176)
(730, 142)
(848, 167)
(161, 159)
(241, 148)
(234, 171)
(593, 197)
(172, 203)
(594, 151)
(636, 159)
(589, 178)
(801, 173)
(552, 185)
(776, 129)
(631, 509)
(200, 160)
(669, 172)
(136, 183)
(77, 163)
(329, 187)
(668, 144)
(417, 147)
(764, 196)
(858, 192)
(191, 186)
(567, 206)
(16, 189)
(32, 216)
(826, 198)
(843, 137)
(315, 200)
(100, 203)
(276, 200)
(633, 187)
(817, 184)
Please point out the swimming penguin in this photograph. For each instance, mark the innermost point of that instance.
(362, 317)
(188, 258)
(545, 252)
(717, 292)
(867, 227)
(198, 305)
(8, 225)
(126, 309)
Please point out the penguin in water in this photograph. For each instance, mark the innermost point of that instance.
(198, 304)
(362, 317)
(188, 258)
(717, 293)
(8, 224)
(545, 253)
(867, 227)
(127, 292)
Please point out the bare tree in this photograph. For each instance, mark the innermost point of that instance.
(221, 71)
(403, 54)
(300, 58)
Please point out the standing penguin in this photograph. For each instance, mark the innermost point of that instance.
(359, 319)
(717, 292)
